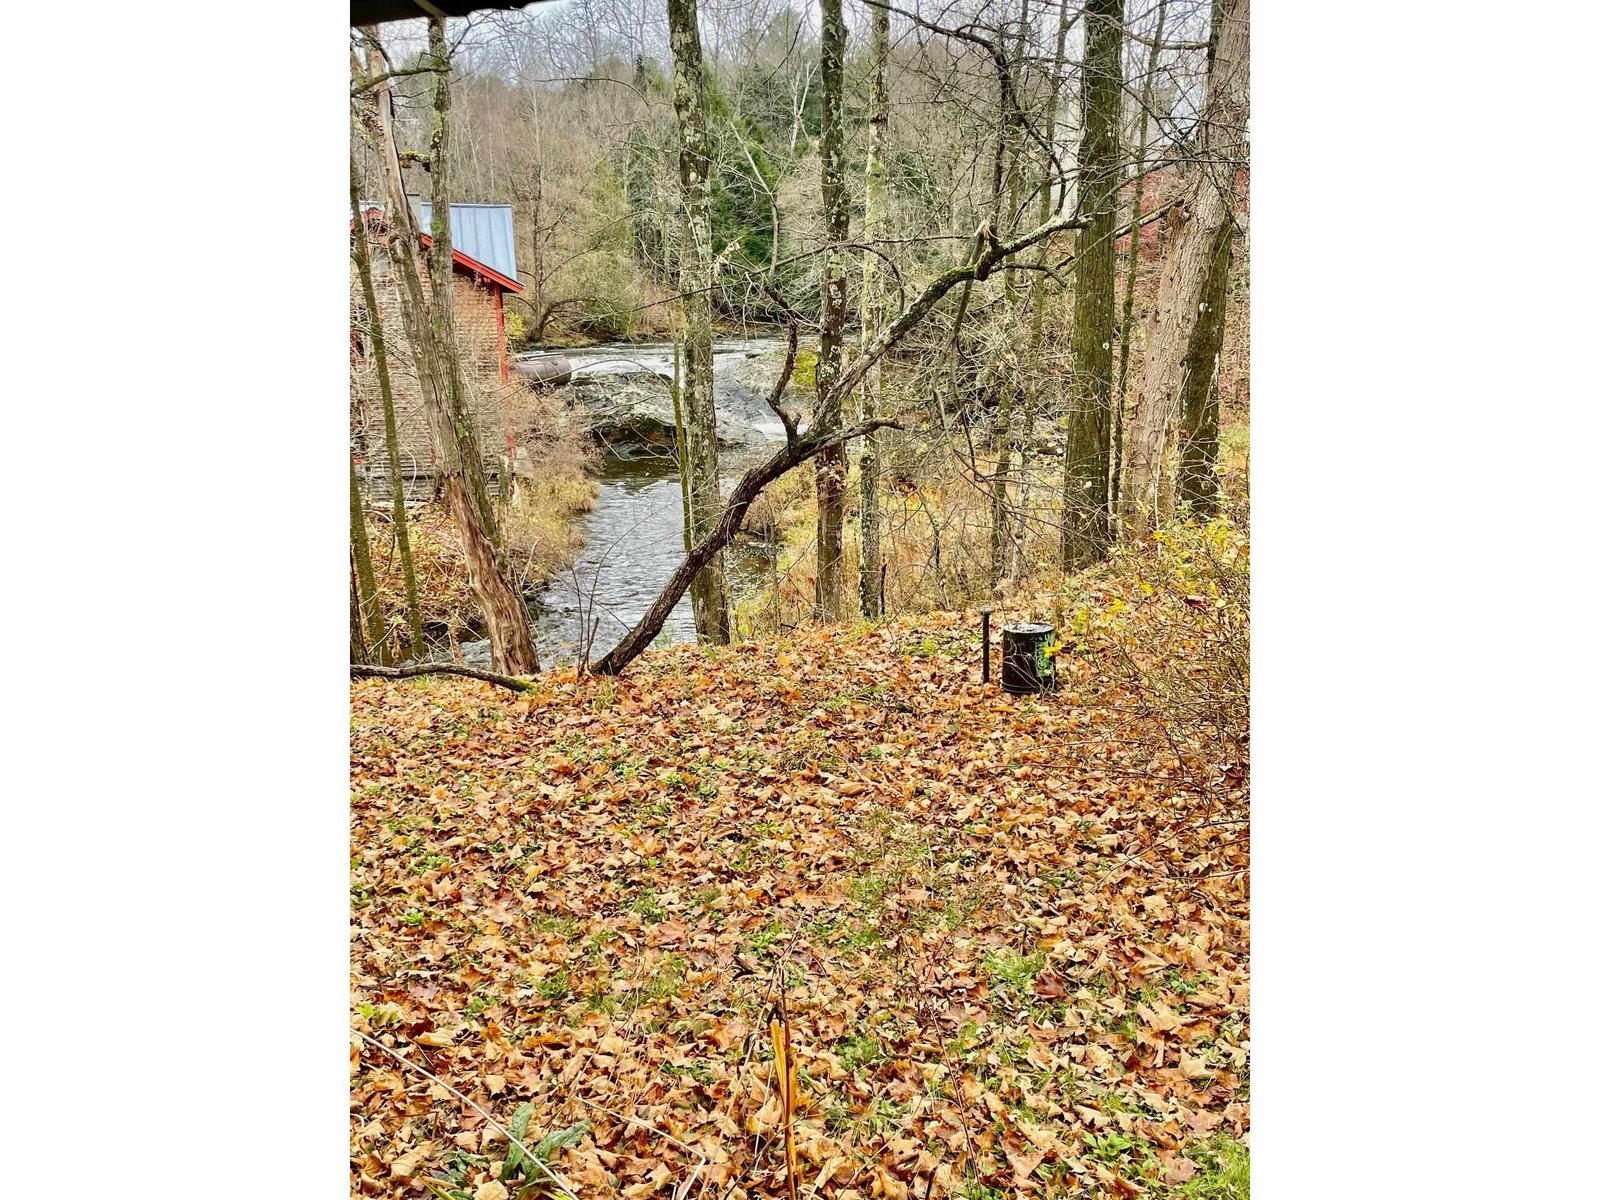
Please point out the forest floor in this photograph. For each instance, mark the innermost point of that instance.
(1009, 935)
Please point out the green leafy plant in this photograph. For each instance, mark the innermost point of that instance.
(859, 1051)
(1012, 971)
(1224, 1170)
(518, 1168)
(556, 986)
(1108, 1146)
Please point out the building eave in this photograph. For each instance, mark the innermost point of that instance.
(465, 262)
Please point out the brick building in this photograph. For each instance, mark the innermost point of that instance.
(485, 269)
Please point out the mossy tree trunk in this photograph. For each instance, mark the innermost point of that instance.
(1191, 258)
(391, 433)
(1201, 403)
(831, 460)
(698, 421)
(441, 280)
(1085, 533)
(358, 639)
(433, 353)
(874, 311)
(366, 586)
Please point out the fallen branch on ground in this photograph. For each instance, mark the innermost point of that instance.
(413, 670)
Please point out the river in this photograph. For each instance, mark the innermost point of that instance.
(634, 534)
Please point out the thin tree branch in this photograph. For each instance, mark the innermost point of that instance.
(413, 670)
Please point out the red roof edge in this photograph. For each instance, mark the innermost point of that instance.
(467, 263)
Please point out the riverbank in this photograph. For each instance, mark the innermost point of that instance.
(543, 534)
(597, 527)
(1010, 936)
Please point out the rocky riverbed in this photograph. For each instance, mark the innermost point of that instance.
(627, 390)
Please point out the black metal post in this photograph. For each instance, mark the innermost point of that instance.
(985, 612)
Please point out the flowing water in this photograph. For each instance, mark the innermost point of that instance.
(634, 534)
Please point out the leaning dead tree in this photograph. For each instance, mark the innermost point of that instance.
(431, 333)
(1192, 255)
(989, 254)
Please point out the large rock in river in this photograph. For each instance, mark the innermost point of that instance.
(637, 407)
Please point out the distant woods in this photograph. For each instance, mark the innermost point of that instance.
(1017, 231)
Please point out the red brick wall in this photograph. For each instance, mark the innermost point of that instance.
(477, 337)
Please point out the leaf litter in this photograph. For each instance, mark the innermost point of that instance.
(1007, 937)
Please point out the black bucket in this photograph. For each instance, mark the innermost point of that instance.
(1025, 668)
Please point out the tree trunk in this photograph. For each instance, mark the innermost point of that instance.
(698, 440)
(536, 211)
(830, 397)
(1192, 252)
(874, 310)
(391, 434)
(1001, 538)
(1146, 91)
(1031, 398)
(999, 485)
(1201, 404)
(441, 279)
(1086, 502)
(366, 588)
(358, 640)
(509, 638)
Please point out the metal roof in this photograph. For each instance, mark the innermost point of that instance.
(480, 231)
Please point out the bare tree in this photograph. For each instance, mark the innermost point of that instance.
(1191, 259)
(441, 281)
(1085, 527)
(1146, 94)
(366, 592)
(698, 421)
(874, 311)
(1038, 291)
(1008, 158)
(1201, 403)
(836, 228)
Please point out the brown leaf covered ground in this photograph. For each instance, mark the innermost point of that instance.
(1010, 934)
